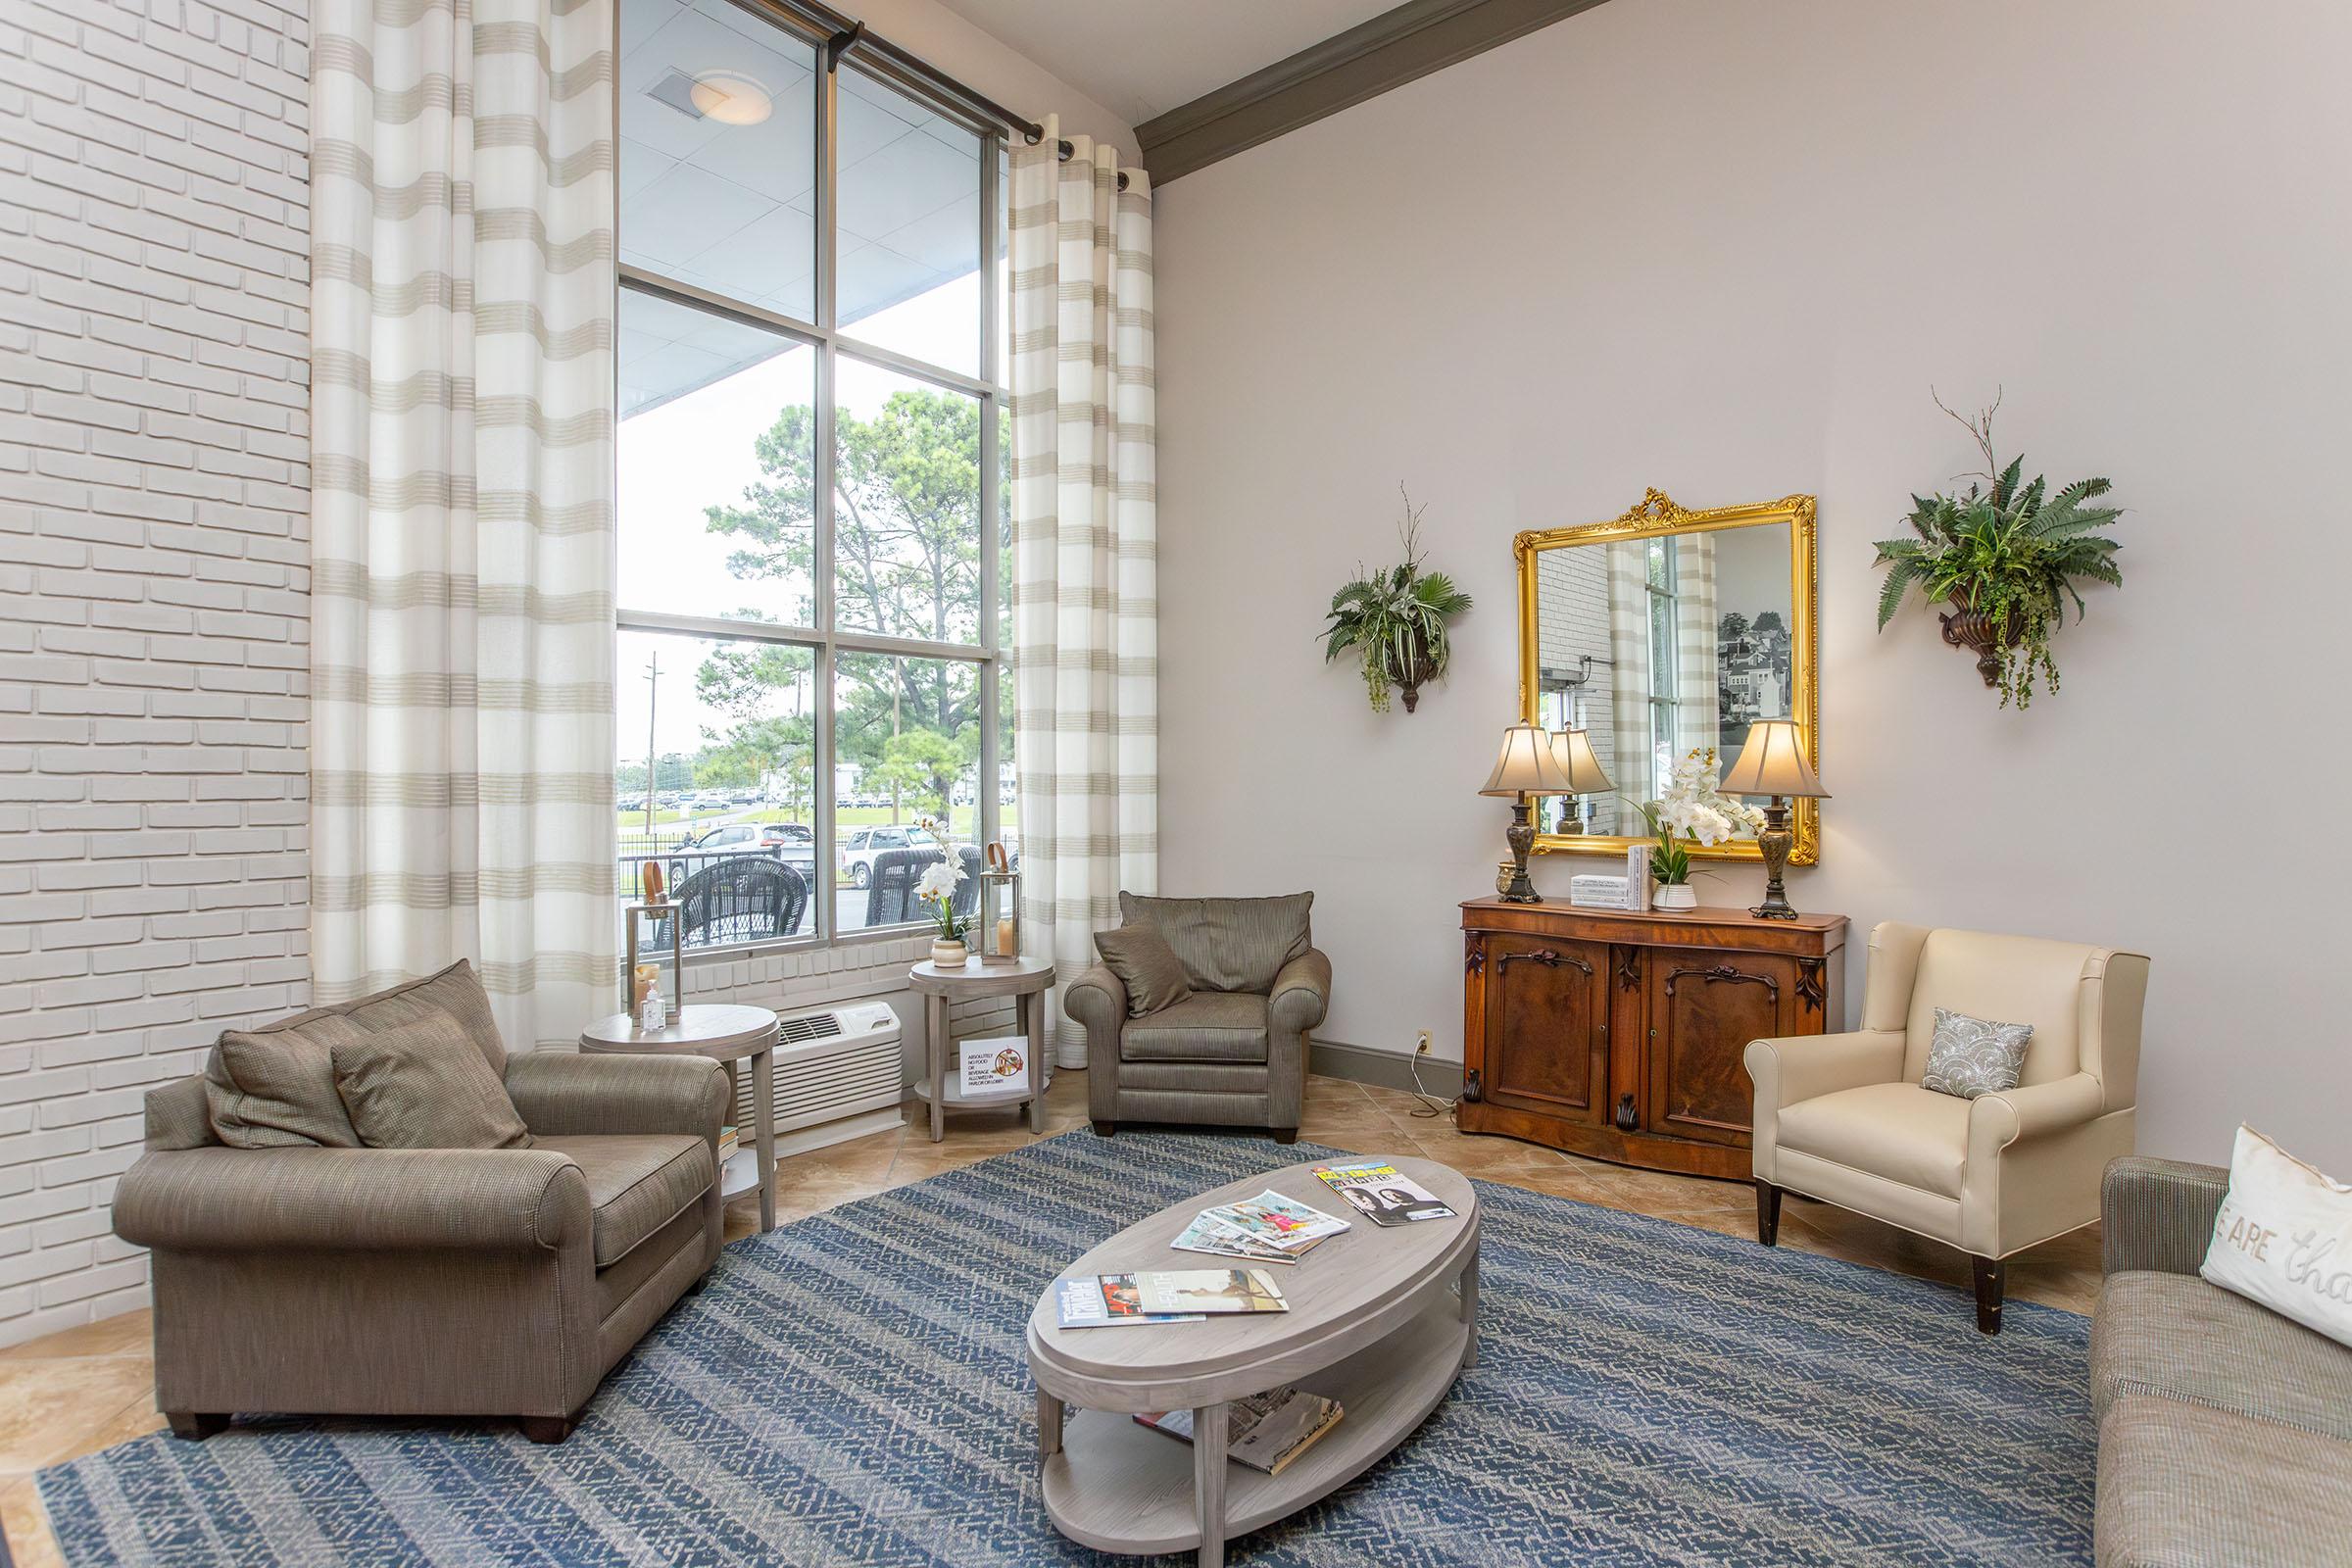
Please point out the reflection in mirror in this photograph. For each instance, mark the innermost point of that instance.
(1658, 646)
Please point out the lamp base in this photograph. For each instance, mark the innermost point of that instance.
(1521, 837)
(1776, 841)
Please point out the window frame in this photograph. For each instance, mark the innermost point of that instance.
(826, 639)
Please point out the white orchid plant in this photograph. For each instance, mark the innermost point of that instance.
(937, 883)
(1694, 811)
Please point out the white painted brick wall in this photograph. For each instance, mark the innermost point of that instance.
(154, 568)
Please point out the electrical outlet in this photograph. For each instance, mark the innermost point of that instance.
(1421, 1044)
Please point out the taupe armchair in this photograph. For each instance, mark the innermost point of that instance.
(1233, 1053)
(1843, 1118)
(429, 1281)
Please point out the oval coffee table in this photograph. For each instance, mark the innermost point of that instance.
(1380, 1320)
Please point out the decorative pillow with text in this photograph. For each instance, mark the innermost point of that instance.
(2284, 1238)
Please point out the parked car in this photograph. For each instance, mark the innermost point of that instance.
(775, 834)
(860, 845)
(745, 838)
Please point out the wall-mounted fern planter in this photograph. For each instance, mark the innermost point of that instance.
(2005, 558)
(1394, 620)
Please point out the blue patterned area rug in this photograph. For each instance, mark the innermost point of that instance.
(851, 1389)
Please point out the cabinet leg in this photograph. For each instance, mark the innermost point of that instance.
(1049, 1425)
(1768, 1214)
(1990, 1276)
(1469, 1288)
(1208, 1482)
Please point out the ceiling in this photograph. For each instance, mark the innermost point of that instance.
(1141, 58)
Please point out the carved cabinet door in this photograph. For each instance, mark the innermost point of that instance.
(1704, 1006)
(1546, 1044)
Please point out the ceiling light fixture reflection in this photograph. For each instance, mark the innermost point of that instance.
(730, 99)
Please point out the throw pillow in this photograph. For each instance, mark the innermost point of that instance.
(2284, 1238)
(1146, 965)
(1228, 944)
(424, 1084)
(275, 1088)
(1970, 1057)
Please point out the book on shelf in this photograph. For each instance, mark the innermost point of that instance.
(1164, 1296)
(1263, 1431)
(1381, 1193)
(730, 1141)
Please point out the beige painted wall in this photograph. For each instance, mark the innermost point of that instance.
(1724, 249)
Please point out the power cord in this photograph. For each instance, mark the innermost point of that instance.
(1431, 1108)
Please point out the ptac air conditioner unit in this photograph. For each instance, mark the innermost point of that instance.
(838, 1077)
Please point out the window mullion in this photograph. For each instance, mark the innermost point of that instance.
(984, 789)
(828, 121)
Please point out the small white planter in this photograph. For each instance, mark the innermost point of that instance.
(1674, 896)
(950, 955)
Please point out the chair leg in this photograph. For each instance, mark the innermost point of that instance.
(196, 1425)
(549, 1429)
(1990, 1277)
(1104, 1129)
(1284, 1135)
(1768, 1214)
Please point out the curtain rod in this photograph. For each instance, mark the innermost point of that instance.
(843, 36)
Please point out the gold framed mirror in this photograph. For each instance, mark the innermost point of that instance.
(1662, 632)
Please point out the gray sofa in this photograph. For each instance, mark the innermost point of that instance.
(1231, 1055)
(2225, 1430)
(428, 1281)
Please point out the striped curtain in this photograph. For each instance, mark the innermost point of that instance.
(1085, 596)
(1629, 678)
(1698, 676)
(461, 328)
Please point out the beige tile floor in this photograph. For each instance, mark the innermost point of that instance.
(86, 1389)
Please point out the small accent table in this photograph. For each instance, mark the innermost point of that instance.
(1027, 982)
(725, 1032)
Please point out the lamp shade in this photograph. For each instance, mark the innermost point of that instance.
(1572, 748)
(1772, 762)
(1526, 765)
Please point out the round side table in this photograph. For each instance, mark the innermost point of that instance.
(725, 1032)
(1026, 982)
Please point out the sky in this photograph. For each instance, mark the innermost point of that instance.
(695, 452)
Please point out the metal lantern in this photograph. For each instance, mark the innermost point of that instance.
(661, 914)
(1000, 934)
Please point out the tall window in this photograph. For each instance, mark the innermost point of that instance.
(1665, 663)
(812, 542)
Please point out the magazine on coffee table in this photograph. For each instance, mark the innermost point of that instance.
(1383, 1195)
(1263, 1431)
(1206, 1234)
(1095, 1302)
(1281, 1222)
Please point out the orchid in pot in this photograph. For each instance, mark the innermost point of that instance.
(1692, 810)
(937, 888)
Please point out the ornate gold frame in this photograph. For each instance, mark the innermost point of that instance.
(1657, 514)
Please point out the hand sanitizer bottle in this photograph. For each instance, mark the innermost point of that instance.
(654, 1015)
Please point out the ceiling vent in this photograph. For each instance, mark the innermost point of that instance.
(676, 89)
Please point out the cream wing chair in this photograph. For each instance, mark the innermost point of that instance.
(1843, 1117)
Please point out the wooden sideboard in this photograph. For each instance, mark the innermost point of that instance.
(1619, 1036)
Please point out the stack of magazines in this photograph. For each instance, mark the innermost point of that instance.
(1266, 1229)
(1164, 1296)
(1263, 1431)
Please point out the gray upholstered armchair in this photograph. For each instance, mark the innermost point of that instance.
(411, 1281)
(1234, 1052)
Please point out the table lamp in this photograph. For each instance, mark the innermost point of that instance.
(1773, 764)
(1524, 770)
(1572, 750)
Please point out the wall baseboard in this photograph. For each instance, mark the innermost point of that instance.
(1391, 1069)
